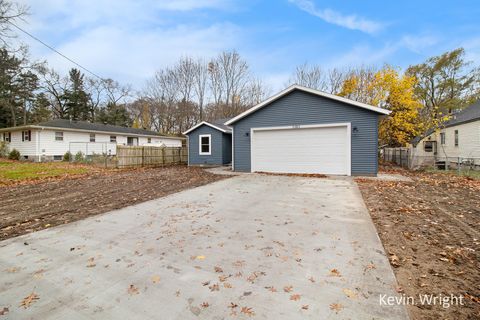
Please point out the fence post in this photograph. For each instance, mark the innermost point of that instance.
(458, 165)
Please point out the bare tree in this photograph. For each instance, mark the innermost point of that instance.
(55, 86)
(9, 13)
(336, 77)
(310, 76)
(200, 76)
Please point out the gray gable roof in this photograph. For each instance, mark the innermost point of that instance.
(215, 124)
(221, 124)
(84, 125)
(469, 114)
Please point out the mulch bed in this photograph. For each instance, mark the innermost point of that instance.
(30, 207)
(430, 229)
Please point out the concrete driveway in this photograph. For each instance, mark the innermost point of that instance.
(251, 246)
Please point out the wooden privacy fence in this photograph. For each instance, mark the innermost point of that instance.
(147, 156)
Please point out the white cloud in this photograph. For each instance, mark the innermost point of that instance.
(418, 43)
(124, 40)
(132, 57)
(347, 21)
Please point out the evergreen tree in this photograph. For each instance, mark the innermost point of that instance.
(41, 109)
(76, 97)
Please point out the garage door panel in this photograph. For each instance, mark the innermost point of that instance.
(306, 150)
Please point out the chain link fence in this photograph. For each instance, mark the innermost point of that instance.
(406, 158)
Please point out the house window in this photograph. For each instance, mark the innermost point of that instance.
(428, 146)
(149, 140)
(113, 138)
(205, 147)
(57, 157)
(26, 135)
(7, 136)
(92, 137)
(456, 138)
(442, 137)
(58, 136)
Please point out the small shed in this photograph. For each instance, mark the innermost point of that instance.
(209, 143)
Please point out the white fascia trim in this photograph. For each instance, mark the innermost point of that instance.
(326, 125)
(209, 145)
(312, 91)
(89, 131)
(233, 151)
(207, 124)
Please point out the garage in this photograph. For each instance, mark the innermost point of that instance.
(322, 148)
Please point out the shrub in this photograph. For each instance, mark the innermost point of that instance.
(79, 157)
(3, 149)
(67, 156)
(14, 155)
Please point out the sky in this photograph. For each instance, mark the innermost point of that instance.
(129, 40)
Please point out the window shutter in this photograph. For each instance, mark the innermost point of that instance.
(29, 135)
(23, 136)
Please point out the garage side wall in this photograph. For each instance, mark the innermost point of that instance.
(216, 157)
(301, 108)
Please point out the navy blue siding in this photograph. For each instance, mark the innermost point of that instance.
(218, 144)
(301, 108)
(227, 148)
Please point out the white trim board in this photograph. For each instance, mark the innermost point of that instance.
(309, 90)
(207, 124)
(348, 126)
(209, 153)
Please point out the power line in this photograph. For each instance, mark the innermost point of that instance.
(55, 50)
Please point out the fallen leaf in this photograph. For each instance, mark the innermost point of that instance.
(248, 311)
(132, 290)
(156, 279)
(311, 279)
(28, 300)
(205, 305)
(349, 293)
(91, 262)
(305, 307)
(288, 288)
(337, 307)
(218, 269)
(295, 297)
(214, 287)
(200, 257)
(335, 273)
(206, 283)
(271, 289)
(4, 311)
(227, 285)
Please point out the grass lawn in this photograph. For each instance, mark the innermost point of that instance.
(474, 174)
(12, 172)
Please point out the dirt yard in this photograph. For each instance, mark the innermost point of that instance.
(34, 206)
(430, 229)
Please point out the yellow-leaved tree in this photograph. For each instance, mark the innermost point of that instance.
(390, 90)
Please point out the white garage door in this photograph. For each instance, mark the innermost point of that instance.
(322, 149)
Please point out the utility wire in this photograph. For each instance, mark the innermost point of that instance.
(55, 50)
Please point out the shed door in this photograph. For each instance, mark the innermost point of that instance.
(322, 149)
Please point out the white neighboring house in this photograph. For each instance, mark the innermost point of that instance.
(52, 139)
(457, 141)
